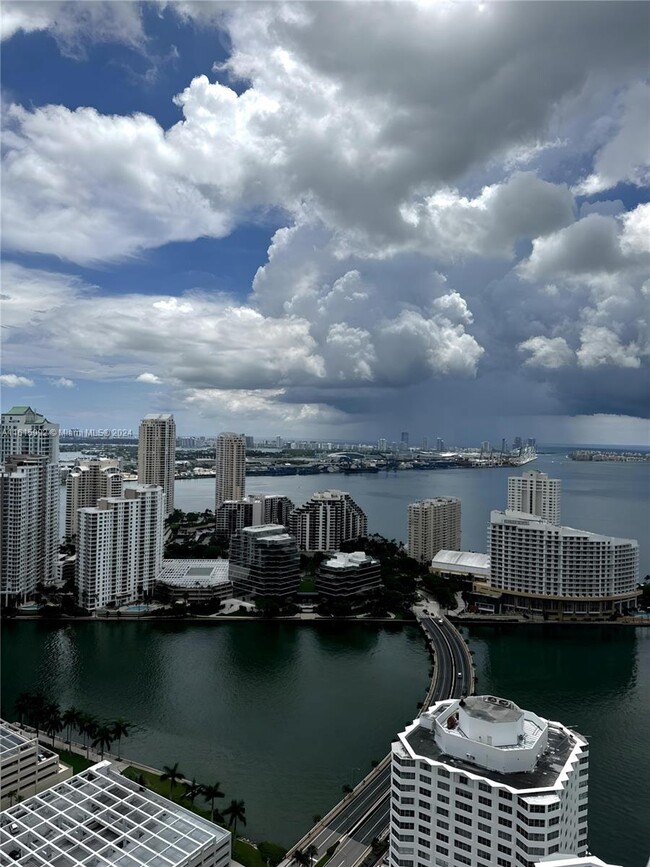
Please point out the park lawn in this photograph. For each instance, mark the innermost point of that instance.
(77, 763)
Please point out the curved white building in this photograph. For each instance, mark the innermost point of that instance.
(533, 559)
(481, 782)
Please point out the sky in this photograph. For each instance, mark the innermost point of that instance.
(329, 220)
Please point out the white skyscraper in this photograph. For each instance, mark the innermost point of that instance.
(535, 493)
(433, 525)
(481, 782)
(157, 454)
(537, 564)
(86, 483)
(326, 520)
(23, 431)
(29, 502)
(230, 468)
(29, 525)
(120, 547)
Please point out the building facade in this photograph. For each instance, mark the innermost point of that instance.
(29, 526)
(157, 454)
(482, 783)
(23, 431)
(348, 575)
(120, 547)
(264, 561)
(26, 767)
(433, 525)
(534, 493)
(252, 511)
(326, 520)
(88, 481)
(230, 468)
(535, 561)
(102, 817)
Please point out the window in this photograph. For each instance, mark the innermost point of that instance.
(486, 801)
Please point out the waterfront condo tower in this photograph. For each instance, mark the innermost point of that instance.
(23, 431)
(433, 525)
(264, 561)
(88, 481)
(480, 782)
(326, 520)
(157, 454)
(230, 468)
(120, 547)
(545, 567)
(535, 493)
(29, 525)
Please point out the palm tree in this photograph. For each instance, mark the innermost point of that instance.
(193, 790)
(173, 774)
(71, 717)
(38, 711)
(301, 857)
(312, 854)
(23, 705)
(52, 720)
(237, 813)
(210, 793)
(103, 739)
(120, 730)
(88, 725)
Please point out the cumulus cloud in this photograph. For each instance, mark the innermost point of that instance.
(359, 142)
(74, 24)
(601, 346)
(547, 352)
(626, 155)
(149, 378)
(63, 382)
(12, 380)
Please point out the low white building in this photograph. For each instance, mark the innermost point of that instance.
(461, 564)
(99, 817)
(26, 767)
(481, 782)
(195, 580)
(346, 575)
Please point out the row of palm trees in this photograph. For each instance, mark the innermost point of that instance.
(234, 813)
(44, 715)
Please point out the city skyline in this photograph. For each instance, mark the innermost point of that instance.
(231, 224)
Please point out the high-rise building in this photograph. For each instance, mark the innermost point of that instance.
(326, 520)
(120, 547)
(264, 561)
(29, 525)
(504, 446)
(440, 444)
(250, 442)
(252, 511)
(99, 817)
(480, 782)
(230, 468)
(433, 525)
(88, 481)
(545, 567)
(157, 454)
(531, 442)
(486, 447)
(23, 431)
(535, 493)
(346, 575)
(404, 439)
(425, 443)
(516, 443)
(382, 445)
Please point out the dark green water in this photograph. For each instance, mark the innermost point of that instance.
(596, 679)
(283, 715)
